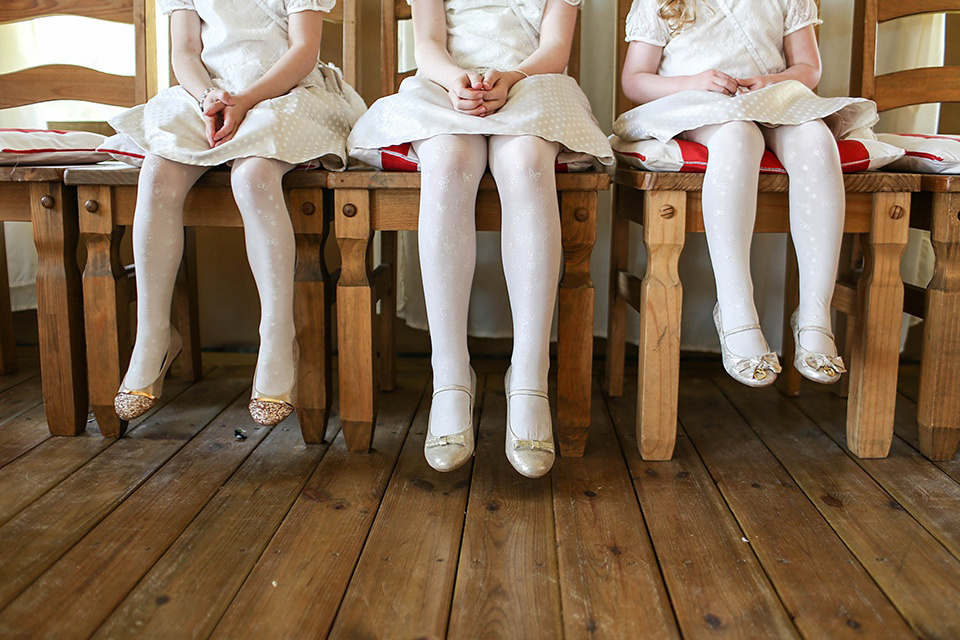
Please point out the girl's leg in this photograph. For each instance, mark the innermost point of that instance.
(817, 204)
(729, 213)
(271, 252)
(451, 167)
(157, 250)
(523, 167)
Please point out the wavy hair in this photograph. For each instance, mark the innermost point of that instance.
(678, 14)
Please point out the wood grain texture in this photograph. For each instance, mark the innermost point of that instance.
(871, 182)
(716, 585)
(66, 82)
(23, 432)
(905, 427)
(610, 582)
(623, 199)
(506, 585)
(8, 345)
(413, 559)
(912, 568)
(827, 593)
(186, 309)
(661, 303)
(892, 9)
(789, 380)
(363, 179)
(387, 318)
(297, 585)
(578, 227)
(116, 10)
(913, 86)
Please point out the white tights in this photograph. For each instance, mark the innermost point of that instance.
(158, 248)
(809, 154)
(523, 168)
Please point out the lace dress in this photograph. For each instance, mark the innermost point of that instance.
(742, 38)
(242, 39)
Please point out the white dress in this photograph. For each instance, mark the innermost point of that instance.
(489, 34)
(742, 38)
(242, 39)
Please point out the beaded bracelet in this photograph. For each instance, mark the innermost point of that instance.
(203, 96)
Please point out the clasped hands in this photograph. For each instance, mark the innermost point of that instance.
(222, 114)
(720, 82)
(476, 94)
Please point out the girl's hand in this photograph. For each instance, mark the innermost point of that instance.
(756, 82)
(466, 94)
(497, 85)
(212, 106)
(716, 81)
(233, 114)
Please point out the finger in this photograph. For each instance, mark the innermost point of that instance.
(469, 94)
(467, 105)
(491, 78)
(228, 126)
(214, 107)
(475, 80)
(210, 128)
(227, 99)
(479, 111)
(493, 105)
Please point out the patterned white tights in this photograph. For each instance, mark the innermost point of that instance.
(809, 154)
(524, 170)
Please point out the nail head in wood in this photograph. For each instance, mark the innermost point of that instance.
(308, 208)
(349, 210)
(667, 211)
(896, 212)
(47, 202)
(581, 214)
(92, 206)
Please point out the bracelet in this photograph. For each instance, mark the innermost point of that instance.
(521, 72)
(203, 96)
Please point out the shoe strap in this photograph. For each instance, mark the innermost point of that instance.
(818, 329)
(451, 387)
(529, 392)
(741, 329)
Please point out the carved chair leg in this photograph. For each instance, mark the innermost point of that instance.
(8, 350)
(186, 309)
(388, 312)
(789, 380)
(616, 304)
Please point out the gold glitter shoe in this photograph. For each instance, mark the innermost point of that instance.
(270, 411)
(446, 453)
(531, 458)
(755, 371)
(812, 365)
(133, 403)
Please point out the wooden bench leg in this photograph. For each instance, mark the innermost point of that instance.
(616, 305)
(186, 311)
(63, 360)
(578, 224)
(661, 301)
(355, 318)
(8, 348)
(789, 380)
(105, 306)
(850, 259)
(938, 411)
(388, 312)
(311, 223)
(876, 346)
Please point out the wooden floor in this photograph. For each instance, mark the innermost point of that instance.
(761, 527)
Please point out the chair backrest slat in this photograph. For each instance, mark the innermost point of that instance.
(19, 10)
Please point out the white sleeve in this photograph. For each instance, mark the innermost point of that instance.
(295, 6)
(799, 14)
(169, 6)
(644, 24)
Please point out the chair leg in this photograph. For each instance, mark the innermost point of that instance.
(312, 312)
(186, 309)
(938, 411)
(616, 304)
(63, 360)
(388, 312)
(850, 259)
(876, 347)
(578, 225)
(355, 318)
(789, 379)
(661, 300)
(8, 349)
(105, 306)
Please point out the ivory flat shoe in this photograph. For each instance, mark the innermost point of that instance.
(531, 458)
(813, 365)
(753, 371)
(133, 403)
(446, 453)
(269, 411)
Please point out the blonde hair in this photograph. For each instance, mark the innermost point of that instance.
(678, 14)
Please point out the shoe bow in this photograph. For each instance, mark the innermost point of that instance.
(439, 441)
(825, 363)
(758, 366)
(533, 445)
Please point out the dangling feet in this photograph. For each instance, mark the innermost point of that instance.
(532, 455)
(448, 452)
(753, 371)
(270, 409)
(821, 365)
(132, 402)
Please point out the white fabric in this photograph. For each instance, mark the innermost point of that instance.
(123, 149)
(925, 153)
(241, 42)
(42, 146)
(742, 38)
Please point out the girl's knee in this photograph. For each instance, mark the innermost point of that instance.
(523, 154)
(447, 154)
(731, 135)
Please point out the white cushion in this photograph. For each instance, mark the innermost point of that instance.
(42, 146)
(925, 153)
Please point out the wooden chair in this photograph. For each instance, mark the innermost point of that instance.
(108, 197)
(935, 208)
(668, 206)
(39, 195)
(370, 201)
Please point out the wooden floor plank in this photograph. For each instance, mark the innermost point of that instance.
(506, 584)
(826, 591)
(26, 368)
(905, 426)
(716, 584)
(921, 488)
(412, 550)
(114, 556)
(188, 589)
(296, 587)
(23, 424)
(914, 570)
(37, 471)
(44, 531)
(610, 582)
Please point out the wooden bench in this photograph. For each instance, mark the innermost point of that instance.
(371, 201)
